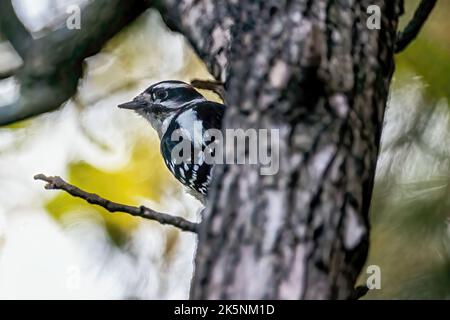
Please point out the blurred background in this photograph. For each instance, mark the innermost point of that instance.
(55, 246)
(410, 211)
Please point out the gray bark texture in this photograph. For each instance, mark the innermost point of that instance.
(313, 70)
(309, 68)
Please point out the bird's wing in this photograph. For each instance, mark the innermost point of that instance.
(194, 121)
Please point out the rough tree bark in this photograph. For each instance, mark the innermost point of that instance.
(313, 70)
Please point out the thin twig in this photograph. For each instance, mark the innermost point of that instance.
(358, 292)
(215, 86)
(415, 25)
(57, 183)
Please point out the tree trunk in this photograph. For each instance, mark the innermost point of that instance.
(313, 70)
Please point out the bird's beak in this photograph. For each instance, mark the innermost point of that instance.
(136, 104)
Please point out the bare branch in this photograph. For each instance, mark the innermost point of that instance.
(359, 292)
(57, 183)
(54, 64)
(13, 29)
(415, 25)
(215, 86)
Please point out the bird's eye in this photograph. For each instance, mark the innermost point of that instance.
(160, 94)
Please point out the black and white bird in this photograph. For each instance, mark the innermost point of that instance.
(172, 106)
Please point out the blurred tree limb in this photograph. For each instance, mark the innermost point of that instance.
(57, 183)
(53, 64)
(215, 86)
(13, 29)
(414, 26)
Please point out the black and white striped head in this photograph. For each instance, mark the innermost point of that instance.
(160, 102)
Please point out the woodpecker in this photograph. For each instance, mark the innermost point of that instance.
(174, 105)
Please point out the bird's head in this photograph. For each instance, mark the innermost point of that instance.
(162, 101)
